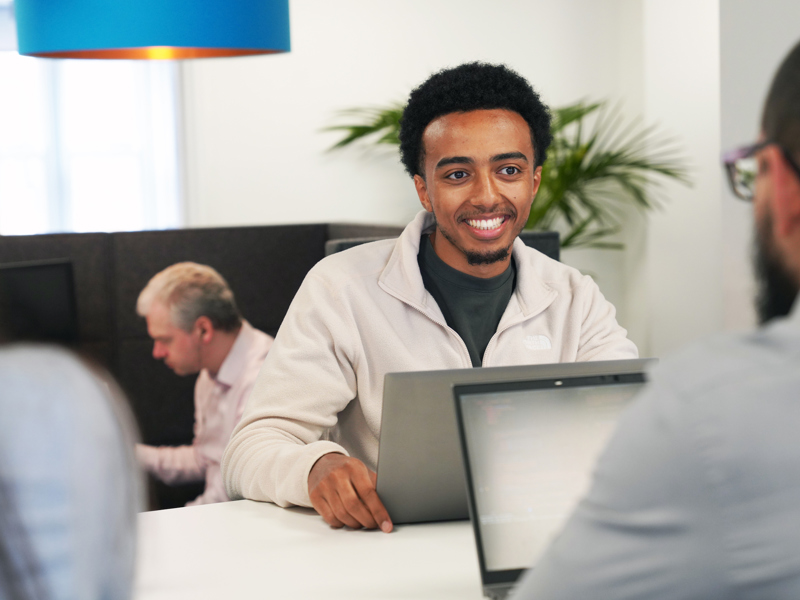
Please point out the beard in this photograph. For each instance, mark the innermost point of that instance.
(475, 257)
(777, 288)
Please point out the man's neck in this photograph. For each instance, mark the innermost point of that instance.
(218, 349)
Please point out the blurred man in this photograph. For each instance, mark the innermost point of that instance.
(69, 486)
(197, 328)
(456, 290)
(697, 494)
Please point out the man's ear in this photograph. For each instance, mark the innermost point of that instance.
(204, 328)
(537, 179)
(422, 192)
(785, 192)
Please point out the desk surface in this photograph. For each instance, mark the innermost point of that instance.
(250, 549)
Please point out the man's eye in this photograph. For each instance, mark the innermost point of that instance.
(457, 175)
(509, 170)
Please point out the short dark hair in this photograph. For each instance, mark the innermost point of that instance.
(471, 86)
(780, 122)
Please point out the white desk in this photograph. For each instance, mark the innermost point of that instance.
(249, 549)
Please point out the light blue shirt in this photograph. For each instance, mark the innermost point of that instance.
(697, 494)
(68, 481)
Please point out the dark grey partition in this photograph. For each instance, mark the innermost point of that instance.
(92, 267)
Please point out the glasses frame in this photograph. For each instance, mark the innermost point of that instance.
(730, 158)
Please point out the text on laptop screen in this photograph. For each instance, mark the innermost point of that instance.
(531, 458)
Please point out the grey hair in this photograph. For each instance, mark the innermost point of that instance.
(190, 291)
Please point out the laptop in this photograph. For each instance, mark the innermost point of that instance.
(420, 470)
(529, 449)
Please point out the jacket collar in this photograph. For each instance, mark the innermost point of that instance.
(402, 279)
(236, 361)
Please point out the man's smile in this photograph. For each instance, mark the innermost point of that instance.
(486, 223)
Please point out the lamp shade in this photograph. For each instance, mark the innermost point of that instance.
(151, 29)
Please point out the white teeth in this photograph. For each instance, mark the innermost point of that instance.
(485, 223)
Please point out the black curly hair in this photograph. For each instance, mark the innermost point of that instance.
(471, 86)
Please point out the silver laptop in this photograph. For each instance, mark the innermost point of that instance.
(420, 470)
(529, 449)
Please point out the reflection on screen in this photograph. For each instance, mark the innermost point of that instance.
(531, 458)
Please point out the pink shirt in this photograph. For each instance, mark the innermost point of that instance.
(218, 404)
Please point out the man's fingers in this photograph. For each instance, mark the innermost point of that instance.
(325, 511)
(364, 483)
(341, 512)
(356, 507)
(342, 490)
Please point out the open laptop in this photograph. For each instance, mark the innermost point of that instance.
(420, 470)
(529, 449)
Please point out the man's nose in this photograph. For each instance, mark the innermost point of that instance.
(487, 193)
(158, 351)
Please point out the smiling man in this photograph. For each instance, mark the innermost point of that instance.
(456, 290)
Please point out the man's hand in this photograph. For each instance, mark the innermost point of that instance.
(342, 490)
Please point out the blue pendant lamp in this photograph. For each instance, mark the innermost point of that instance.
(151, 29)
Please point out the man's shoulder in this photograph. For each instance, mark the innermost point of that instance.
(547, 270)
(364, 261)
(733, 365)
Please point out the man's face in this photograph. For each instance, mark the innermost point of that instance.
(479, 183)
(777, 289)
(180, 350)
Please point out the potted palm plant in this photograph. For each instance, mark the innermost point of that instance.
(596, 166)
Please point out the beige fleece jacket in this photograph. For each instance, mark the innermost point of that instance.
(365, 312)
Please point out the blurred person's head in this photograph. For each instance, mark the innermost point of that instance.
(191, 316)
(777, 194)
(69, 485)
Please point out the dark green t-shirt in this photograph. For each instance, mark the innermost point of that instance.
(472, 306)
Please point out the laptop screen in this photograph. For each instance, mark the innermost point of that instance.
(530, 448)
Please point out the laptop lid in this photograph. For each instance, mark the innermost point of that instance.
(420, 469)
(529, 449)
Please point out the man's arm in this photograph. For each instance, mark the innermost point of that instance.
(178, 464)
(650, 526)
(307, 380)
(601, 337)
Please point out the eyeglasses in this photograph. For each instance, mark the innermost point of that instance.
(742, 167)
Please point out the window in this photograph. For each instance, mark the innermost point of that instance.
(87, 145)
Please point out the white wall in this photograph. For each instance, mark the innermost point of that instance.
(755, 37)
(680, 272)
